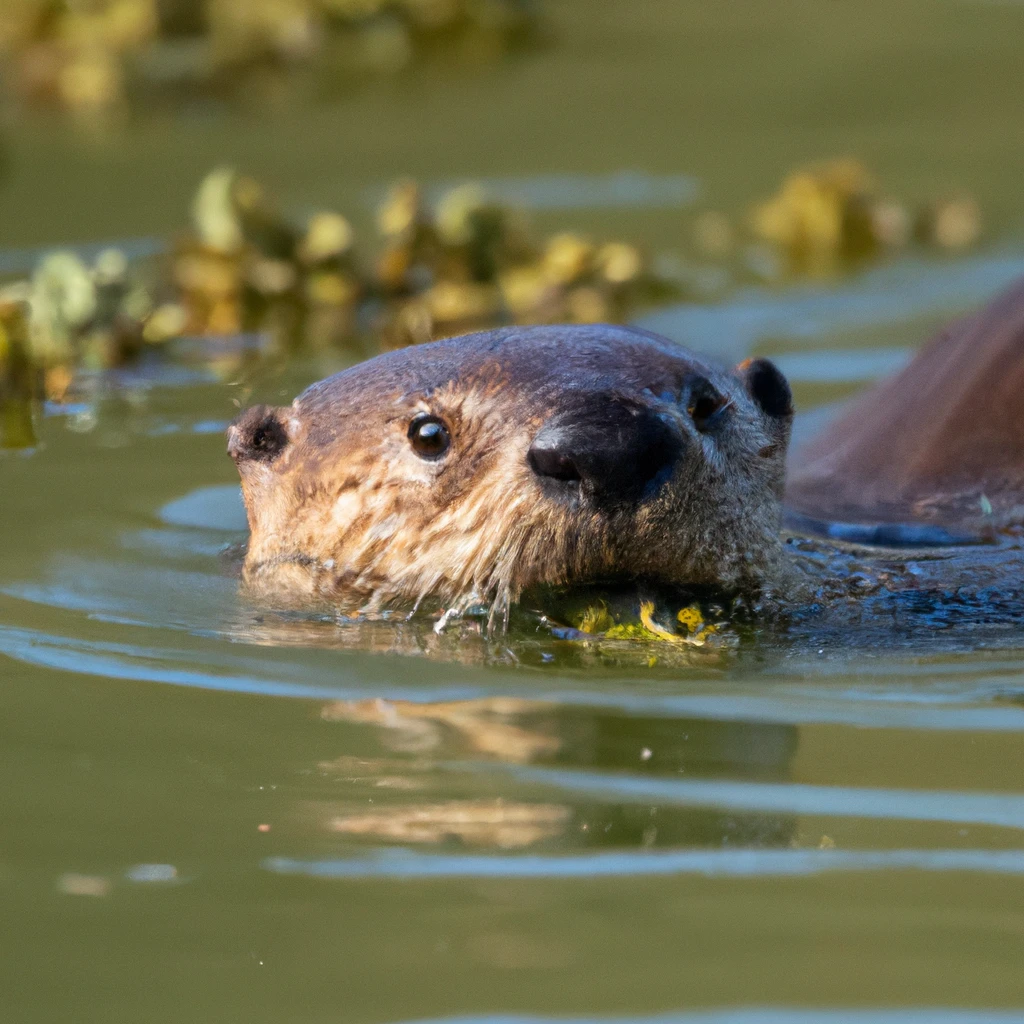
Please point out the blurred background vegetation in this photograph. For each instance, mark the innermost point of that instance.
(210, 203)
(230, 181)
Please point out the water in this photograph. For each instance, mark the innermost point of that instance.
(212, 814)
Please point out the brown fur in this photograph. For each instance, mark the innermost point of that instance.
(341, 509)
(941, 442)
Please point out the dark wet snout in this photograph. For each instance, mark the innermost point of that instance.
(617, 450)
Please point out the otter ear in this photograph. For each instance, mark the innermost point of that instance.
(768, 387)
(260, 434)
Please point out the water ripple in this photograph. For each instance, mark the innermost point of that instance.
(788, 705)
(767, 1015)
(717, 863)
(889, 295)
(620, 190)
(1002, 810)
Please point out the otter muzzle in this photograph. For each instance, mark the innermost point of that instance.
(615, 451)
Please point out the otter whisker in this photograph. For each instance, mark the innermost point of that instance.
(564, 457)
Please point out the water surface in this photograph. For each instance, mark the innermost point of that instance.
(213, 814)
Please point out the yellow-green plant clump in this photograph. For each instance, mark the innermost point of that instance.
(96, 56)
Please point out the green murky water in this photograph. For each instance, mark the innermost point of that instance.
(206, 816)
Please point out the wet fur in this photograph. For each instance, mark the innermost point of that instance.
(941, 442)
(345, 513)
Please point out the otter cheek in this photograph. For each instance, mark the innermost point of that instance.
(257, 494)
(345, 510)
(268, 509)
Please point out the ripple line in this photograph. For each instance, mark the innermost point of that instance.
(782, 707)
(887, 295)
(766, 1015)
(123, 661)
(718, 863)
(1001, 810)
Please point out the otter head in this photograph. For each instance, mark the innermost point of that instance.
(469, 470)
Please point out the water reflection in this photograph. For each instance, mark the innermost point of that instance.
(561, 743)
(486, 823)
(508, 728)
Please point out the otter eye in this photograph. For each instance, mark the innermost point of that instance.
(429, 437)
(705, 408)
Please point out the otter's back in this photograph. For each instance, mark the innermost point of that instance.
(941, 443)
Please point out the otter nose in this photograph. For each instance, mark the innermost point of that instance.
(618, 450)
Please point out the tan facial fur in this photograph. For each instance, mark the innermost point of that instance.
(342, 510)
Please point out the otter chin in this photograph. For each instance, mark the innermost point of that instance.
(467, 471)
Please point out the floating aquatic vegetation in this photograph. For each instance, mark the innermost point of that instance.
(19, 378)
(831, 217)
(75, 315)
(952, 223)
(96, 56)
(68, 316)
(598, 620)
(467, 263)
(245, 270)
(245, 282)
(821, 215)
(472, 263)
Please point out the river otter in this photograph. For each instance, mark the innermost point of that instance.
(466, 471)
(935, 452)
(470, 470)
